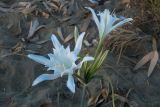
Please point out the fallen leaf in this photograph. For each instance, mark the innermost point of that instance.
(100, 98)
(59, 31)
(152, 57)
(53, 5)
(46, 6)
(34, 27)
(144, 60)
(85, 25)
(68, 38)
(46, 15)
(153, 62)
(28, 10)
(62, 5)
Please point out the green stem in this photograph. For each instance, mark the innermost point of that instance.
(113, 99)
(98, 47)
(83, 104)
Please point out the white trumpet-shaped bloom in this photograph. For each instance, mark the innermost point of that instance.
(106, 21)
(62, 61)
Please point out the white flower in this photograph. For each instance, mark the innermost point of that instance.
(106, 23)
(62, 61)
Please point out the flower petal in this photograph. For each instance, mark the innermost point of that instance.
(79, 43)
(103, 21)
(71, 84)
(109, 23)
(40, 59)
(69, 71)
(121, 23)
(95, 18)
(55, 41)
(45, 77)
(86, 58)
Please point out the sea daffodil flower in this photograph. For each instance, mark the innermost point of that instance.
(106, 21)
(62, 61)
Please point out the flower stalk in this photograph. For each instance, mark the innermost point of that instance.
(83, 99)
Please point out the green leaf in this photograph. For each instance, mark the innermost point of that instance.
(90, 72)
(76, 33)
(103, 57)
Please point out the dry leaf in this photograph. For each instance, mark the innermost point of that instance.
(53, 5)
(153, 62)
(28, 10)
(68, 38)
(42, 41)
(62, 5)
(96, 100)
(144, 60)
(46, 15)
(66, 19)
(152, 57)
(18, 47)
(85, 25)
(46, 6)
(59, 31)
(34, 27)
(24, 4)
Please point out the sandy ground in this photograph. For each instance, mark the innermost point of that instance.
(17, 72)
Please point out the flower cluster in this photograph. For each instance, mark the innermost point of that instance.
(63, 61)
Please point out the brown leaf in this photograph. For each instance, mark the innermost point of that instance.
(46, 15)
(153, 62)
(144, 60)
(62, 5)
(28, 10)
(59, 31)
(85, 25)
(66, 19)
(53, 5)
(46, 6)
(24, 4)
(34, 27)
(91, 101)
(68, 38)
(100, 98)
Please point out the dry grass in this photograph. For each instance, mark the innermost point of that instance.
(125, 41)
(149, 15)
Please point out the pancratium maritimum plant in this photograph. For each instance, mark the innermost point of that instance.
(62, 61)
(106, 22)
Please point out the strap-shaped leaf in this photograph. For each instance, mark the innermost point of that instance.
(76, 33)
(102, 59)
(94, 65)
(84, 68)
(99, 62)
(89, 72)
